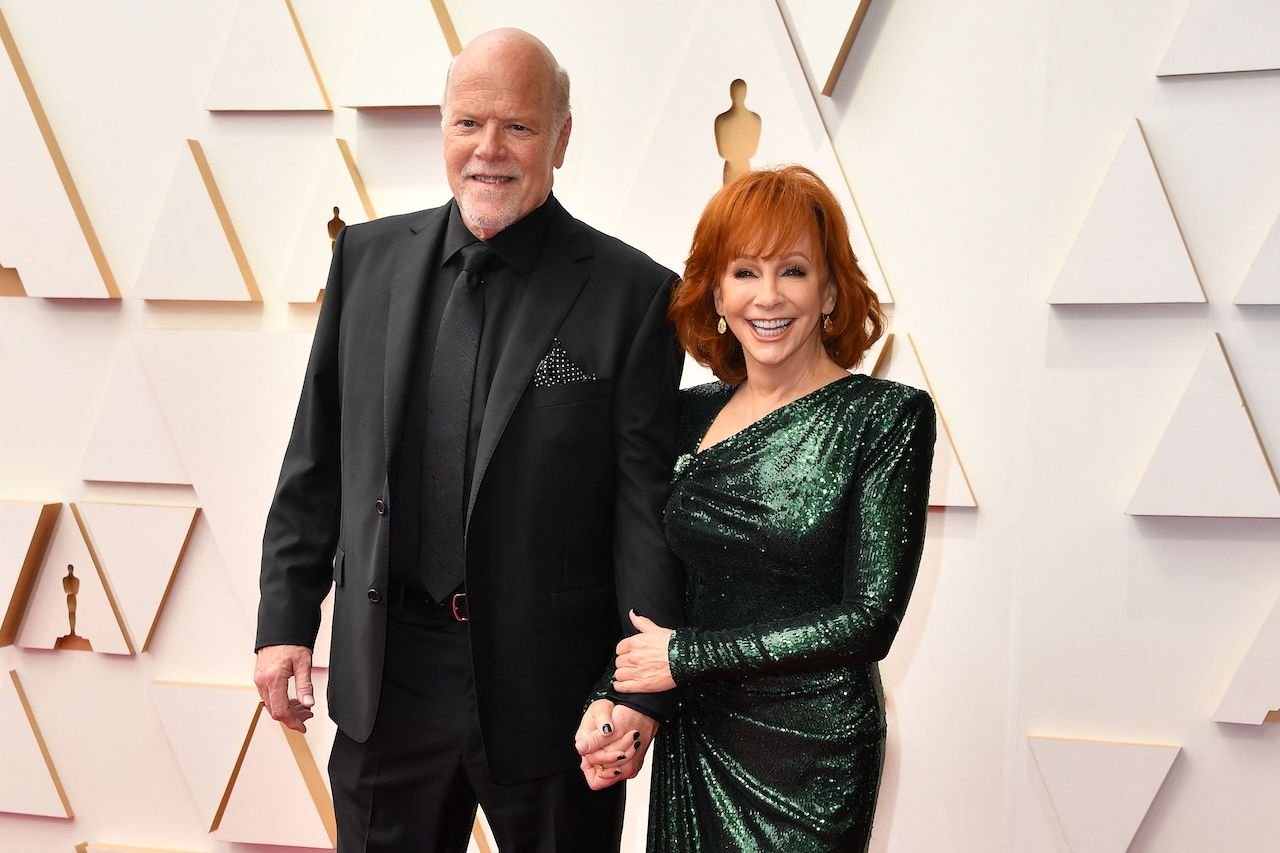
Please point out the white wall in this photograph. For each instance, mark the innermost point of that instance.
(974, 137)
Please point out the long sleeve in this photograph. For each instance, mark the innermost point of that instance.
(884, 539)
(302, 526)
(647, 575)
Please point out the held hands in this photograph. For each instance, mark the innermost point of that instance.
(613, 741)
(274, 667)
(642, 665)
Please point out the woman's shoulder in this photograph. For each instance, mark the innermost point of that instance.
(699, 404)
(707, 393)
(886, 406)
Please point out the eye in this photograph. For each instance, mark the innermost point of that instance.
(795, 271)
(744, 272)
(519, 128)
(467, 123)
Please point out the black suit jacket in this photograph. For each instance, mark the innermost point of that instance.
(563, 527)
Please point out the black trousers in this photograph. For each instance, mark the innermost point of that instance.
(414, 785)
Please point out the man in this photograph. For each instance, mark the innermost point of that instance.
(483, 485)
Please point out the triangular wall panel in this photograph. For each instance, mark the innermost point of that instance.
(402, 57)
(340, 186)
(25, 531)
(1218, 36)
(1101, 790)
(29, 784)
(823, 31)
(1262, 283)
(130, 441)
(229, 399)
(1129, 249)
(140, 548)
(205, 725)
(195, 253)
(276, 767)
(1254, 691)
(948, 484)
(1211, 461)
(45, 231)
(98, 623)
(266, 64)
(791, 131)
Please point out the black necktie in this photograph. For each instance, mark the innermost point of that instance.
(444, 456)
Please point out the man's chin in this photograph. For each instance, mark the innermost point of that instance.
(486, 219)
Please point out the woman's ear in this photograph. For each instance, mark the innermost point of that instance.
(715, 299)
(829, 298)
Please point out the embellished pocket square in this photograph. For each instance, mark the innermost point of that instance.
(556, 368)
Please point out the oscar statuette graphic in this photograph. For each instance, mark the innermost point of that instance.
(73, 641)
(335, 226)
(737, 132)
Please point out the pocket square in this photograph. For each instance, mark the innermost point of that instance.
(556, 368)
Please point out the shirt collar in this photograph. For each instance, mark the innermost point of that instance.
(517, 245)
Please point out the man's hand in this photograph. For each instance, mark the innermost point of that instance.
(613, 741)
(643, 666)
(274, 667)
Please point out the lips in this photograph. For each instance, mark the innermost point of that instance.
(491, 179)
(771, 328)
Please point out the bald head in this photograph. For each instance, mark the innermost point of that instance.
(524, 53)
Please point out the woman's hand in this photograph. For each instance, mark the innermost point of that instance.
(612, 741)
(642, 659)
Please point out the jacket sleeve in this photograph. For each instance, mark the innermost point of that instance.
(302, 525)
(648, 577)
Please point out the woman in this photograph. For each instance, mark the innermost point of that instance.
(798, 508)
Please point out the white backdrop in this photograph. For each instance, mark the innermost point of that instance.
(974, 137)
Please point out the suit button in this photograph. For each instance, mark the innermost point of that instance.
(380, 507)
(374, 596)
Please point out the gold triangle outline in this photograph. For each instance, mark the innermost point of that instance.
(102, 577)
(59, 161)
(882, 363)
(40, 742)
(224, 218)
(446, 26)
(844, 173)
(41, 536)
(311, 60)
(173, 570)
(306, 765)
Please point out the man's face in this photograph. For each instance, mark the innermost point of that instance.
(500, 150)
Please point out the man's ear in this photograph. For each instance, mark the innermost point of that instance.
(562, 144)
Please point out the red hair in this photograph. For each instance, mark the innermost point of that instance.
(763, 214)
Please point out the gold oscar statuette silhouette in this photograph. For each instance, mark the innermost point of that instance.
(335, 225)
(71, 586)
(737, 133)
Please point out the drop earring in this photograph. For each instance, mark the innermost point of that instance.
(826, 323)
(722, 326)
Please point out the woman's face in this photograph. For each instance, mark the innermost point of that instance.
(774, 306)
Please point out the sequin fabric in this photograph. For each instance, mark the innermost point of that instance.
(556, 368)
(801, 536)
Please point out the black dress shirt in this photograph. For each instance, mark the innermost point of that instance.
(516, 249)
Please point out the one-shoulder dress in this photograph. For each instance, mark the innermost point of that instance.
(801, 536)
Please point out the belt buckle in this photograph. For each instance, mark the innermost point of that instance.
(458, 604)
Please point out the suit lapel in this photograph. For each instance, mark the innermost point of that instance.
(562, 270)
(409, 291)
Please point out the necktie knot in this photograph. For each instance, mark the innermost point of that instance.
(475, 257)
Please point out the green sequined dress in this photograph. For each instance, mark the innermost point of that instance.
(800, 536)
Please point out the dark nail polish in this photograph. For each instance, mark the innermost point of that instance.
(622, 758)
(607, 729)
(617, 773)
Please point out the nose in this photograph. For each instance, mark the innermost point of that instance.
(767, 293)
(490, 145)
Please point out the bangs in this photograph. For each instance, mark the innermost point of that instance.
(770, 220)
